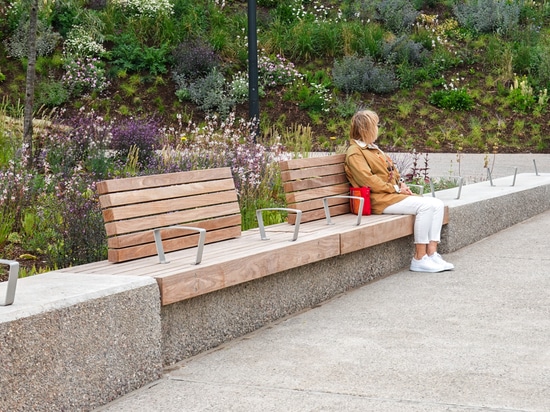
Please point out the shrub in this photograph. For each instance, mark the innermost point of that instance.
(83, 75)
(276, 71)
(452, 99)
(80, 42)
(501, 16)
(67, 225)
(210, 95)
(523, 98)
(51, 93)
(404, 50)
(142, 134)
(239, 87)
(79, 142)
(355, 74)
(397, 15)
(65, 15)
(193, 59)
(129, 55)
(149, 8)
(46, 40)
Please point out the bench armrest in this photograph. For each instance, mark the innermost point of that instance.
(261, 226)
(12, 281)
(160, 248)
(420, 188)
(327, 211)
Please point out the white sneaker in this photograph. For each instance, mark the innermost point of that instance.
(425, 264)
(436, 257)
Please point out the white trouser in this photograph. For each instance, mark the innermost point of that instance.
(429, 216)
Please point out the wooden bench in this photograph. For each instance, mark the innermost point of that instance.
(310, 184)
(149, 215)
(178, 213)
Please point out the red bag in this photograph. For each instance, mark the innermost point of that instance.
(354, 204)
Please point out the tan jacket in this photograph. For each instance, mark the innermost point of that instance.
(369, 166)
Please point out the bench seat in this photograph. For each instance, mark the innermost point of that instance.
(224, 264)
(246, 258)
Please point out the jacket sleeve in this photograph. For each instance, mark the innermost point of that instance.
(362, 174)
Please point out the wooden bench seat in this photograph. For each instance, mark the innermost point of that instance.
(224, 264)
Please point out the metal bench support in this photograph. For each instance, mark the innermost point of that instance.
(160, 248)
(261, 225)
(12, 281)
(327, 210)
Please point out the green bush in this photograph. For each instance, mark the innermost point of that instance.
(51, 93)
(452, 99)
(360, 74)
(397, 15)
(46, 40)
(210, 95)
(501, 16)
(131, 56)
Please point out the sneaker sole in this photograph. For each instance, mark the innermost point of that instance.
(428, 270)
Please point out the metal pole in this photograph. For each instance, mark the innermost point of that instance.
(253, 95)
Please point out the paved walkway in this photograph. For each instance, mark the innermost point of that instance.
(476, 339)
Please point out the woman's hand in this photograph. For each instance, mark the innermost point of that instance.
(405, 189)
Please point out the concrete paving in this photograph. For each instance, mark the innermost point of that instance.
(474, 339)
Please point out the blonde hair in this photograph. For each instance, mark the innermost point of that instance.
(364, 126)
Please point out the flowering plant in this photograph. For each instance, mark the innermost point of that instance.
(84, 75)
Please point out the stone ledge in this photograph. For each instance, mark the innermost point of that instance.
(483, 210)
(75, 342)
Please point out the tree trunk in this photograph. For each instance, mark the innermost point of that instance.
(29, 92)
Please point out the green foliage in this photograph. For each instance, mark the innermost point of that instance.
(499, 16)
(210, 93)
(51, 93)
(131, 56)
(523, 98)
(355, 74)
(398, 15)
(46, 40)
(455, 99)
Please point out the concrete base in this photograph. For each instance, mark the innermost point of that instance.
(195, 325)
(75, 342)
(483, 210)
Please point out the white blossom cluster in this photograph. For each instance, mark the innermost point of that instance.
(148, 8)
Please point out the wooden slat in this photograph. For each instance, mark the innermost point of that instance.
(307, 181)
(203, 280)
(132, 239)
(307, 173)
(168, 204)
(133, 207)
(182, 242)
(319, 193)
(168, 192)
(296, 185)
(140, 182)
(311, 162)
(186, 217)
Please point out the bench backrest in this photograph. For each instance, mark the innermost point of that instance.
(307, 181)
(133, 207)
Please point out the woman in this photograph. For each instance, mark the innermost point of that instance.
(367, 165)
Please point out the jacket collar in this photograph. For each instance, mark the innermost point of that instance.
(364, 145)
